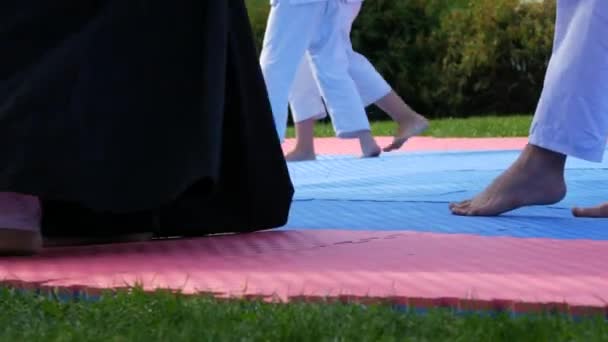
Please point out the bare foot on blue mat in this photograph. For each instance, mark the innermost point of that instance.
(601, 211)
(300, 155)
(369, 146)
(408, 128)
(535, 178)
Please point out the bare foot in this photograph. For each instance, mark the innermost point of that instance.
(407, 129)
(300, 155)
(369, 146)
(536, 178)
(410, 123)
(601, 211)
(305, 146)
(372, 153)
(19, 242)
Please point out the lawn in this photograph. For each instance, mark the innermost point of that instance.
(484, 126)
(169, 317)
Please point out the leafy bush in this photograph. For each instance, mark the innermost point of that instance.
(495, 55)
(258, 14)
(396, 37)
(454, 57)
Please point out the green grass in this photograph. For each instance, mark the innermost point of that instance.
(167, 317)
(484, 126)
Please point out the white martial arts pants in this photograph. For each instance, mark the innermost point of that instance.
(306, 99)
(310, 29)
(572, 114)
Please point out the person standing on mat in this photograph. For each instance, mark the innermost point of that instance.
(312, 28)
(307, 104)
(571, 118)
(133, 117)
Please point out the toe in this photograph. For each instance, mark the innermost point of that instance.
(593, 212)
(460, 211)
(461, 208)
(460, 204)
(395, 145)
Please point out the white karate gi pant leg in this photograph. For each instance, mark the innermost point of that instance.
(294, 29)
(572, 114)
(305, 98)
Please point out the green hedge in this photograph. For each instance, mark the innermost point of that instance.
(454, 58)
(258, 13)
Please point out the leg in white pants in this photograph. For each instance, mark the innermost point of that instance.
(294, 29)
(289, 32)
(572, 114)
(330, 61)
(305, 97)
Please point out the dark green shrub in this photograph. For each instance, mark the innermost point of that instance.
(496, 54)
(395, 36)
(453, 57)
(258, 15)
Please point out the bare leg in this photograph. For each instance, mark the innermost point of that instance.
(536, 178)
(305, 148)
(409, 122)
(600, 211)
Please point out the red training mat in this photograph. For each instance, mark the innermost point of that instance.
(418, 269)
(335, 146)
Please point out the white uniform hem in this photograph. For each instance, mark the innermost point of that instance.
(546, 138)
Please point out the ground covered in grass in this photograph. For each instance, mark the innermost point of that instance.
(137, 316)
(474, 127)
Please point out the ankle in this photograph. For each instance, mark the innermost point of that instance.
(547, 160)
(304, 149)
(365, 135)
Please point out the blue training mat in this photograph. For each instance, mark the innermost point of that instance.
(411, 191)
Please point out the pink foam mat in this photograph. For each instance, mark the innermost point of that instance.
(417, 269)
(335, 146)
